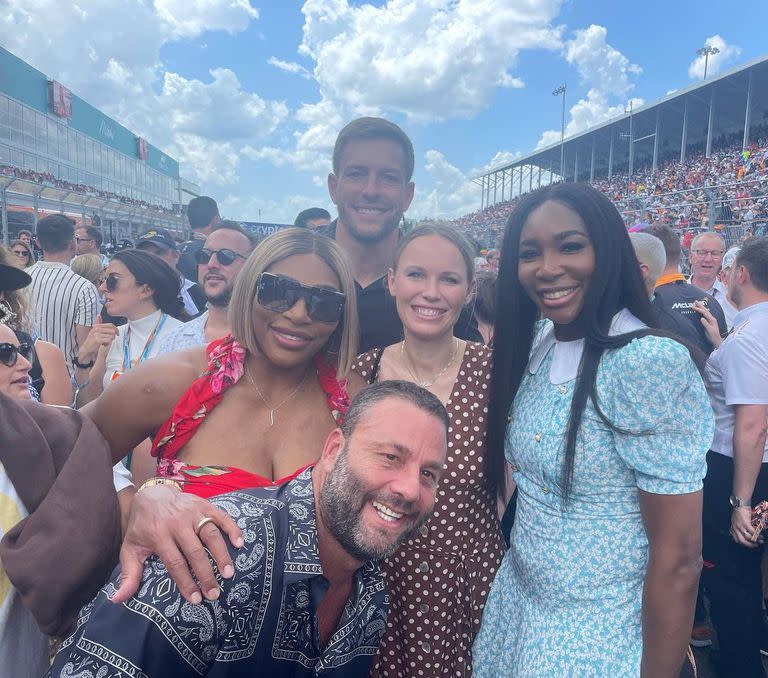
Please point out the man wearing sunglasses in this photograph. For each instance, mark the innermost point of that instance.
(371, 186)
(88, 239)
(219, 262)
(160, 242)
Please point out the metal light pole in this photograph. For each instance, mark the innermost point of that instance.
(705, 52)
(556, 93)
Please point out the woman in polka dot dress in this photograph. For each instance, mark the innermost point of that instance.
(439, 580)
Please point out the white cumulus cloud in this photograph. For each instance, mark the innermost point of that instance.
(112, 59)
(432, 59)
(452, 193)
(289, 67)
(726, 54)
(609, 75)
(424, 59)
(189, 18)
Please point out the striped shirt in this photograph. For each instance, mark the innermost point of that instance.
(62, 299)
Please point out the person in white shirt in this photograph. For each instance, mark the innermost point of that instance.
(89, 239)
(65, 305)
(707, 251)
(144, 289)
(737, 467)
(220, 260)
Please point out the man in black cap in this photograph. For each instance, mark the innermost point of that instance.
(160, 242)
(203, 215)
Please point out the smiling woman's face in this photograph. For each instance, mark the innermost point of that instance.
(291, 338)
(430, 285)
(556, 263)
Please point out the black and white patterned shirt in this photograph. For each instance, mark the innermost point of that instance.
(62, 299)
(263, 623)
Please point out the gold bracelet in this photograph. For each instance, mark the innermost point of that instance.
(152, 482)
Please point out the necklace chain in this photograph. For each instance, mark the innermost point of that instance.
(274, 409)
(409, 365)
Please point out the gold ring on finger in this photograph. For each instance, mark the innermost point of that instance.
(202, 522)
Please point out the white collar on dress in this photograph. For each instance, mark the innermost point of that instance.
(565, 361)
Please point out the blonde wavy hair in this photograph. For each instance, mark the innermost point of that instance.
(17, 301)
(342, 346)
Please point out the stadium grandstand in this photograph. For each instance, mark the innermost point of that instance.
(60, 154)
(695, 160)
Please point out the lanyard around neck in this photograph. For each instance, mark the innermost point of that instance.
(127, 364)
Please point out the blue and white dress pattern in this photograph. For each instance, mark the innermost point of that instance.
(567, 598)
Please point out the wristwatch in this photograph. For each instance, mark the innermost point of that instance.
(737, 502)
(82, 366)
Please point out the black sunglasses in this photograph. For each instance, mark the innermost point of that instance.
(9, 353)
(225, 256)
(110, 282)
(279, 294)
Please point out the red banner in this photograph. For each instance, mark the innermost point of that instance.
(60, 99)
(142, 149)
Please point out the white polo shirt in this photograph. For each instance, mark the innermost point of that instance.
(737, 374)
(720, 293)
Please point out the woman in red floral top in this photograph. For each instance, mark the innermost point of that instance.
(253, 408)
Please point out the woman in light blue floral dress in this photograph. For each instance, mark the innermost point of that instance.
(605, 425)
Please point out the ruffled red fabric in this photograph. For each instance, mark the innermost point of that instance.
(226, 366)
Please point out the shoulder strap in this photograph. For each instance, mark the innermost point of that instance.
(377, 353)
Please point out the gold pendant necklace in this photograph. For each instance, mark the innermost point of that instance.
(274, 409)
(408, 365)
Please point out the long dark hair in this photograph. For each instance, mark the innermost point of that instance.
(151, 270)
(616, 284)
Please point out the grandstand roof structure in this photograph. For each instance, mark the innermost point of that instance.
(683, 122)
(26, 193)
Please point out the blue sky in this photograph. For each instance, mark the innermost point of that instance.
(249, 94)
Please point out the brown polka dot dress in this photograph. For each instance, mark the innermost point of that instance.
(439, 580)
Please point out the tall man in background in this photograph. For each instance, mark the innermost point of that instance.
(64, 304)
(371, 185)
(203, 215)
(88, 239)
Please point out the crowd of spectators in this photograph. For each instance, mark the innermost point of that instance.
(727, 191)
(48, 178)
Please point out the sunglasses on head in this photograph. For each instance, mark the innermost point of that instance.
(224, 256)
(9, 353)
(279, 294)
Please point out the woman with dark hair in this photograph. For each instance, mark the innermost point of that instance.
(144, 289)
(587, 406)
